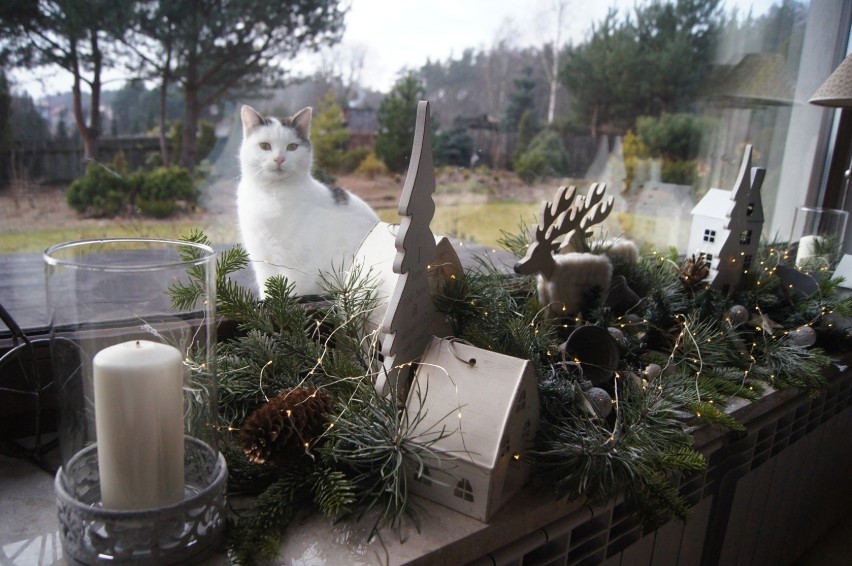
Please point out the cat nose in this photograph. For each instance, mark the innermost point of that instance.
(279, 159)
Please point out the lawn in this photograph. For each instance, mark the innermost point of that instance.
(480, 223)
(477, 223)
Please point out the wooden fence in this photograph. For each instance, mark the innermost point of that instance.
(61, 161)
(58, 162)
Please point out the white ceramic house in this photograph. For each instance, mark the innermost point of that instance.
(488, 403)
(726, 227)
(708, 225)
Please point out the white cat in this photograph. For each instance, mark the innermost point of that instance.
(292, 224)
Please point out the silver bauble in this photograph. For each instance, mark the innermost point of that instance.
(600, 400)
(617, 335)
(653, 371)
(804, 336)
(737, 314)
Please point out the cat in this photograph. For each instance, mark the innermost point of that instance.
(291, 224)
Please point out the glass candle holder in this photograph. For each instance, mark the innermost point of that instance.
(816, 239)
(133, 348)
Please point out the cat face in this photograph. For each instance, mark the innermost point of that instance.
(274, 150)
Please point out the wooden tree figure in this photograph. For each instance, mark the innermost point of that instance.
(408, 321)
(742, 231)
(565, 278)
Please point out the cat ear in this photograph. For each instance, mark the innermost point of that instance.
(251, 119)
(302, 122)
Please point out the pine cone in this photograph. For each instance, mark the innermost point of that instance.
(692, 275)
(279, 431)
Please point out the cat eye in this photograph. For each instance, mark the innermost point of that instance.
(266, 146)
(292, 147)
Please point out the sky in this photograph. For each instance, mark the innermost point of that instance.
(398, 34)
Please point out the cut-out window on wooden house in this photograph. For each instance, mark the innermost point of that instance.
(746, 263)
(707, 257)
(750, 209)
(745, 237)
(464, 490)
(425, 477)
(710, 236)
(521, 402)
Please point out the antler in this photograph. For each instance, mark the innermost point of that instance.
(566, 214)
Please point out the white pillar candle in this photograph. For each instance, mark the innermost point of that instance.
(807, 248)
(139, 424)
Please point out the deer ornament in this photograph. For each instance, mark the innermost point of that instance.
(564, 278)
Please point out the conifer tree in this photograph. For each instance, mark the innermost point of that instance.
(329, 134)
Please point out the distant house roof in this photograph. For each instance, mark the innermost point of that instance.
(362, 121)
(714, 204)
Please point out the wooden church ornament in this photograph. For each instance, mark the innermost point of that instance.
(741, 237)
(483, 462)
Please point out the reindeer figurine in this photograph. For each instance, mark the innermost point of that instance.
(564, 278)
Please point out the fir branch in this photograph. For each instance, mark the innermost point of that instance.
(710, 413)
(333, 493)
(256, 535)
(375, 440)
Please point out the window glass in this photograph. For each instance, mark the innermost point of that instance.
(658, 100)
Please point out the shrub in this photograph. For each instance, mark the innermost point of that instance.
(103, 192)
(672, 136)
(168, 184)
(455, 146)
(546, 157)
(633, 150)
(679, 172)
(100, 192)
(352, 158)
(372, 166)
(156, 208)
(530, 166)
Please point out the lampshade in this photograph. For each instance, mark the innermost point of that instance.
(836, 91)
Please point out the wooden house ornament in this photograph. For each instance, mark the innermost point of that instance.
(485, 403)
(708, 225)
(489, 402)
(727, 231)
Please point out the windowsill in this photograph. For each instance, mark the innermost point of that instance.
(786, 428)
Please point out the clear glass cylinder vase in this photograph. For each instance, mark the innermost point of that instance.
(133, 348)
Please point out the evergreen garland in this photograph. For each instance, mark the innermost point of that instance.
(363, 456)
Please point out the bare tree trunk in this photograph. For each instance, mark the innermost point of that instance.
(554, 85)
(164, 143)
(552, 70)
(190, 123)
(95, 110)
(89, 140)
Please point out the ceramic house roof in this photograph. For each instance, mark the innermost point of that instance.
(475, 400)
(714, 204)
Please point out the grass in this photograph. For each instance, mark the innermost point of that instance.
(478, 223)
(38, 240)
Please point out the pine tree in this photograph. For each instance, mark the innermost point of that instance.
(329, 134)
(396, 116)
(520, 100)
